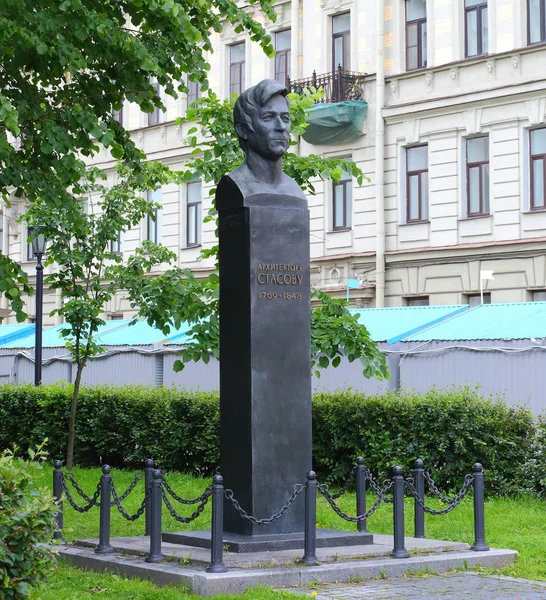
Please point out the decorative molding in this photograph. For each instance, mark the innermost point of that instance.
(473, 120)
(394, 88)
(516, 64)
(412, 129)
(454, 74)
(429, 82)
(491, 67)
(536, 109)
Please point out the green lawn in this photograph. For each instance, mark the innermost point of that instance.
(516, 523)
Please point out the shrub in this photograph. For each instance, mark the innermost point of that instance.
(26, 521)
(450, 430)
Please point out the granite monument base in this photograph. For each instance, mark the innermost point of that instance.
(272, 542)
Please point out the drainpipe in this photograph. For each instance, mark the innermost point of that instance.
(295, 40)
(380, 158)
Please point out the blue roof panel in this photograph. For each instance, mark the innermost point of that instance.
(514, 321)
(9, 333)
(392, 324)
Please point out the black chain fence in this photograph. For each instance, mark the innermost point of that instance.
(451, 503)
(298, 489)
(323, 490)
(203, 499)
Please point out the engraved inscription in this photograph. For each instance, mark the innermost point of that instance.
(280, 274)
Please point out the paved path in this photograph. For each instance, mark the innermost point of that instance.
(451, 586)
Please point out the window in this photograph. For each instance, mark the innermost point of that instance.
(416, 34)
(539, 296)
(30, 253)
(417, 301)
(477, 176)
(342, 195)
(117, 115)
(536, 21)
(116, 246)
(476, 299)
(153, 224)
(282, 56)
(193, 203)
(237, 68)
(475, 27)
(155, 117)
(341, 41)
(417, 184)
(194, 91)
(115, 317)
(537, 142)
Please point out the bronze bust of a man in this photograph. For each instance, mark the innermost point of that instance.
(262, 121)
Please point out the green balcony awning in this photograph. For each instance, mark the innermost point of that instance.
(336, 123)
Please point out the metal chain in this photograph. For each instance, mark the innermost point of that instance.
(375, 487)
(70, 477)
(92, 501)
(137, 478)
(344, 487)
(193, 516)
(433, 488)
(117, 502)
(468, 480)
(298, 489)
(368, 513)
(176, 497)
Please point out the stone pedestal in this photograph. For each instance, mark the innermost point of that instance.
(265, 376)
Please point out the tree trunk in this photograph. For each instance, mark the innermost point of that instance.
(72, 421)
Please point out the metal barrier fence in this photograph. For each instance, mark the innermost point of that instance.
(158, 492)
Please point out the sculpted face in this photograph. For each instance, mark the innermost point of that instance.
(271, 125)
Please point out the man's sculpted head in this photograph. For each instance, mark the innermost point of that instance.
(262, 119)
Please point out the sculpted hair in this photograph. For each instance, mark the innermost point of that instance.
(248, 103)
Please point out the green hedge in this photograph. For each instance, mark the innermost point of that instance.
(449, 430)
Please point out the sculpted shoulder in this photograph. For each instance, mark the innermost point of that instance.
(250, 185)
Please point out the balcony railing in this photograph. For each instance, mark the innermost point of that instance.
(339, 85)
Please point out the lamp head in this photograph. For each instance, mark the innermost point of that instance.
(38, 239)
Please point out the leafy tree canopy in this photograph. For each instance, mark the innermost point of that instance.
(67, 65)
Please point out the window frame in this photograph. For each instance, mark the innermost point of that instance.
(194, 92)
(117, 115)
(420, 173)
(479, 9)
(345, 182)
(198, 221)
(486, 295)
(345, 37)
(155, 117)
(480, 165)
(286, 55)
(116, 246)
(422, 54)
(410, 300)
(532, 158)
(242, 70)
(542, 18)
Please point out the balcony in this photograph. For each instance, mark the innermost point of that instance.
(338, 85)
(338, 117)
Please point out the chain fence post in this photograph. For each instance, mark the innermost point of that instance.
(58, 493)
(217, 527)
(419, 511)
(155, 555)
(361, 494)
(479, 544)
(148, 478)
(399, 551)
(104, 546)
(310, 541)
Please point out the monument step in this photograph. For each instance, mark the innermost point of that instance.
(241, 544)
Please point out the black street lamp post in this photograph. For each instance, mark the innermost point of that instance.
(38, 241)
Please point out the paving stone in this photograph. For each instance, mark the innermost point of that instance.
(449, 586)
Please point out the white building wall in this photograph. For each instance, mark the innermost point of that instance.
(502, 95)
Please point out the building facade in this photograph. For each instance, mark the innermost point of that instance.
(451, 134)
